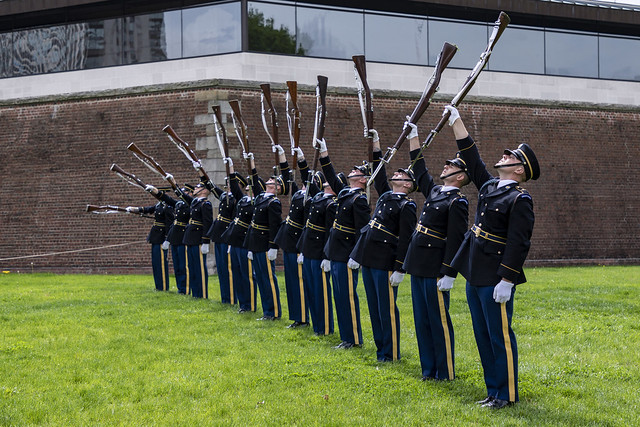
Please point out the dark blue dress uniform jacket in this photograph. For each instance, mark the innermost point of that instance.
(201, 213)
(384, 241)
(234, 234)
(441, 227)
(321, 214)
(181, 210)
(507, 215)
(352, 214)
(162, 219)
(225, 215)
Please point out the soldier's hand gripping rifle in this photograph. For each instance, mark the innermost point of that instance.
(187, 151)
(293, 123)
(318, 127)
(110, 209)
(223, 142)
(241, 132)
(445, 56)
(365, 98)
(273, 134)
(498, 28)
(155, 167)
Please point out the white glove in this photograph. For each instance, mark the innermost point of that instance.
(414, 129)
(169, 177)
(247, 156)
(204, 249)
(277, 149)
(165, 245)
(272, 254)
(131, 209)
(196, 164)
(454, 114)
(396, 278)
(298, 151)
(227, 161)
(352, 264)
(325, 265)
(320, 144)
(502, 291)
(149, 188)
(374, 134)
(446, 283)
(250, 255)
(300, 259)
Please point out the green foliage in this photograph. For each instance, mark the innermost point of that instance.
(263, 37)
(96, 350)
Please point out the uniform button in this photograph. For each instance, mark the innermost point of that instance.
(496, 209)
(480, 225)
(429, 245)
(499, 252)
(482, 213)
(428, 204)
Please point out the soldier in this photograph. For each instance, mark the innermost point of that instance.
(260, 239)
(197, 242)
(381, 249)
(316, 266)
(492, 255)
(287, 239)
(352, 214)
(436, 239)
(163, 217)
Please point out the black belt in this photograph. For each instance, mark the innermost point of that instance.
(259, 227)
(159, 224)
(293, 223)
(343, 228)
(430, 232)
(375, 224)
(223, 219)
(488, 236)
(194, 222)
(315, 227)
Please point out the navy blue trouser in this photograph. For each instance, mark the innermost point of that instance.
(225, 273)
(160, 266)
(296, 298)
(179, 257)
(434, 330)
(318, 287)
(197, 270)
(345, 282)
(267, 284)
(243, 279)
(496, 341)
(385, 317)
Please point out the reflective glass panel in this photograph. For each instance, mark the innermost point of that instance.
(272, 28)
(6, 57)
(211, 29)
(471, 40)
(518, 50)
(103, 45)
(619, 58)
(152, 37)
(395, 39)
(569, 54)
(330, 33)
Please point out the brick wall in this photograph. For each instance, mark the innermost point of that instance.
(56, 156)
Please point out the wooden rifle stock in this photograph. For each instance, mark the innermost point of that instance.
(445, 56)
(273, 134)
(129, 177)
(186, 150)
(221, 136)
(319, 125)
(365, 98)
(293, 122)
(151, 163)
(241, 133)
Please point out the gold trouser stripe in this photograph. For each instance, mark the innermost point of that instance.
(326, 302)
(230, 270)
(507, 347)
(392, 312)
(352, 304)
(202, 278)
(252, 287)
(164, 273)
(273, 287)
(186, 267)
(445, 330)
(303, 307)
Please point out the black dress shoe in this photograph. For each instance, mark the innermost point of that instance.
(267, 318)
(497, 404)
(242, 310)
(486, 400)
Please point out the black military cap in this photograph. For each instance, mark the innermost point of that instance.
(342, 178)
(412, 177)
(364, 168)
(279, 181)
(187, 187)
(457, 162)
(525, 154)
(319, 179)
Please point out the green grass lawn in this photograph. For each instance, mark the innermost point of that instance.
(104, 350)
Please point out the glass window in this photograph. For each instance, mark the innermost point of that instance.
(272, 28)
(330, 33)
(518, 50)
(103, 43)
(571, 54)
(471, 40)
(151, 37)
(211, 29)
(395, 39)
(6, 48)
(619, 58)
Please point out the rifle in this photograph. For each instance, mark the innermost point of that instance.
(128, 177)
(365, 98)
(499, 26)
(109, 209)
(186, 150)
(241, 132)
(318, 127)
(223, 142)
(445, 56)
(266, 96)
(151, 163)
(293, 123)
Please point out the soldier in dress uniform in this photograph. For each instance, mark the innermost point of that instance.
(316, 266)
(435, 241)
(233, 236)
(260, 239)
(287, 239)
(492, 255)
(163, 217)
(381, 249)
(352, 214)
(197, 241)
